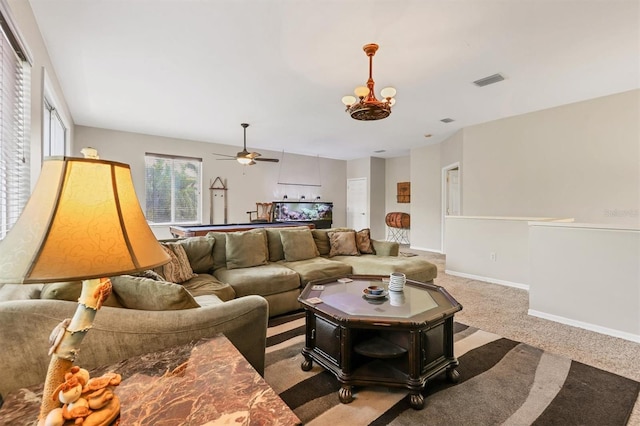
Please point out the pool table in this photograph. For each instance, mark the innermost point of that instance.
(199, 230)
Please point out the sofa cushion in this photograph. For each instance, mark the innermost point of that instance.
(298, 245)
(321, 238)
(199, 250)
(219, 249)
(246, 249)
(276, 252)
(150, 295)
(205, 284)
(318, 268)
(343, 243)
(70, 290)
(20, 291)
(178, 269)
(363, 242)
(262, 280)
(415, 268)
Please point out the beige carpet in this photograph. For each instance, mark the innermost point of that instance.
(503, 311)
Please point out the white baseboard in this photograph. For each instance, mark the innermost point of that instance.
(425, 249)
(488, 279)
(587, 326)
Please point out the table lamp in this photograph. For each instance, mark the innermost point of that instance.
(82, 222)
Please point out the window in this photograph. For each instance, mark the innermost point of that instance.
(173, 189)
(14, 124)
(54, 141)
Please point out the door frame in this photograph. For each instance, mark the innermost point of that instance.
(445, 193)
(366, 195)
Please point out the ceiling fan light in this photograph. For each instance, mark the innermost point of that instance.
(361, 91)
(388, 92)
(244, 160)
(349, 100)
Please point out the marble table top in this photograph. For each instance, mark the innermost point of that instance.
(205, 382)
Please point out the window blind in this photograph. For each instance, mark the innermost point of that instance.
(173, 189)
(14, 130)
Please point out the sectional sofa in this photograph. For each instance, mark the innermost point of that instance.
(221, 283)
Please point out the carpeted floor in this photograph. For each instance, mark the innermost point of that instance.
(503, 311)
(502, 381)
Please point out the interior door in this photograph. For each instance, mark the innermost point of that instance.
(357, 204)
(453, 192)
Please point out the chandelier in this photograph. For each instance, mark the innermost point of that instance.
(366, 106)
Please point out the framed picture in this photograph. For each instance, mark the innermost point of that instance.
(404, 192)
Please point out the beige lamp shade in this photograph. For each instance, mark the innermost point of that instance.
(82, 221)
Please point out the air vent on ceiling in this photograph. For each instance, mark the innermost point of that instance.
(380, 151)
(489, 80)
(447, 120)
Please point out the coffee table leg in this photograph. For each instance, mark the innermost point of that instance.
(416, 400)
(345, 395)
(452, 375)
(307, 363)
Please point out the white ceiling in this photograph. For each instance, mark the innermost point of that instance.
(196, 69)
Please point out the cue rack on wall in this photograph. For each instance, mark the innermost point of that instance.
(217, 188)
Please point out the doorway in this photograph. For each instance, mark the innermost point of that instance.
(451, 189)
(357, 204)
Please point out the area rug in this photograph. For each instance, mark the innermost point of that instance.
(502, 382)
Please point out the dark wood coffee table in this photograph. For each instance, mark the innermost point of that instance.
(401, 340)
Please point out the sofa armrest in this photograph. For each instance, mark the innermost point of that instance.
(386, 248)
(118, 333)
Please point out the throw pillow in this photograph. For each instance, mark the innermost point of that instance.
(70, 290)
(363, 241)
(178, 270)
(199, 251)
(321, 238)
(343, 243)
(149, 295)
(246, 249)
(149, 273)
(298, 245)
(276, 251)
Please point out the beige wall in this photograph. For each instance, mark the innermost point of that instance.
(397, 170)
(28, 27)
(425, 197)
(247, 184)
(579, 160)
(377, 198)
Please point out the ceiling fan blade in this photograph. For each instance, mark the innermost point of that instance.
(253, 155)
(270, 160)
(225, 155)
(227, 159)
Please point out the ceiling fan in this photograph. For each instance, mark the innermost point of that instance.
(245, 157)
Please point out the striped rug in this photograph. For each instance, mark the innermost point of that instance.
(502, 382)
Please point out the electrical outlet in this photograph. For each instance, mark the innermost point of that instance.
(493, 256)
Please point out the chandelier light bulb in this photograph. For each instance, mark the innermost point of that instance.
(361, 91)
(349, 100)
(388, 92)
(392, 101)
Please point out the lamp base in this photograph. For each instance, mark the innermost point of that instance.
(86, 401)
(66, 338)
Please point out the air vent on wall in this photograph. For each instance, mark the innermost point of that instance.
(489, 80)
(447, 120)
